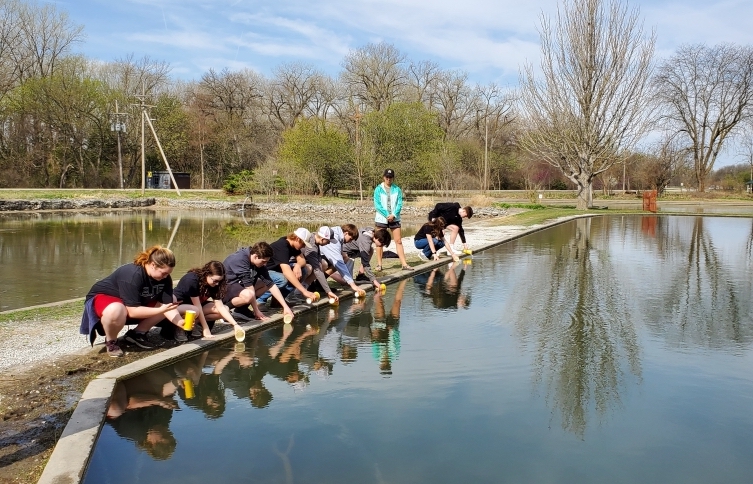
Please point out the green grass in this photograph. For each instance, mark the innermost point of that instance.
(61, 311)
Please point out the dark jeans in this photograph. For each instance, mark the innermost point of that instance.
(423, 245)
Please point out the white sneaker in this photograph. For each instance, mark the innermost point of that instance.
(422, 256)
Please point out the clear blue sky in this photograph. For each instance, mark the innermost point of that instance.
(489, 39)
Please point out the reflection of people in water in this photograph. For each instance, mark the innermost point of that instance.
(242, 374)
(207, 392)
(385, 334)
(444, 288)
(140, 410)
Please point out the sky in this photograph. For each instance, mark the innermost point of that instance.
(489, 39)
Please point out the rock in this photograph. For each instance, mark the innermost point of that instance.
(74, 204)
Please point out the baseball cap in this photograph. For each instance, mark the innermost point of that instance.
(304, 235)
(389, 173)
(326, 233)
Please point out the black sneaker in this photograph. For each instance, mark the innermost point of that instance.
(244, 313)
(180, 336)
(361, 278)
(295, 298)
(139, 339)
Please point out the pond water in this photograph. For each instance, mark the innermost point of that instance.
(58, 256)
(614, 349)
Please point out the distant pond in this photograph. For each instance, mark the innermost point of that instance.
(48, 257)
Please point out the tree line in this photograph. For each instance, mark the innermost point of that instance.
(582, 120)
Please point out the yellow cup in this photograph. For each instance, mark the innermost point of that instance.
(287, 319)
(240, 335)
(467, 251)
(359, 293)
(333, 301)
(316, 297)
(383, 287)
(188, 320)
(188, 387)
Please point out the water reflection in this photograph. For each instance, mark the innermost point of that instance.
(577, 317)
(701, 282)
(443, 288)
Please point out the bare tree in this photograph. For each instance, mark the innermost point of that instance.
(493, 112)
(291, 91)
(453, 100)
(423, 77)
(590, 106)
(706, 92)
(375, 74)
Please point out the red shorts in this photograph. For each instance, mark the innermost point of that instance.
(101, 301)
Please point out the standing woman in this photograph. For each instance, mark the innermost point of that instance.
(203, 288)
(388, 202)
(140, 293)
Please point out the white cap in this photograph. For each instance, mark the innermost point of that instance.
(304, 235)
(326, 233)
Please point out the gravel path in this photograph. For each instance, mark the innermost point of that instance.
(31, 343)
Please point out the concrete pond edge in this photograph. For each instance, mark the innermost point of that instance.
(70, 457)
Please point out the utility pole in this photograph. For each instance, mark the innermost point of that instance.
(357, 117)
(119, 127)
(146, 119)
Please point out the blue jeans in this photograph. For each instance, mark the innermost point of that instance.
(423, 245)
(281, 282)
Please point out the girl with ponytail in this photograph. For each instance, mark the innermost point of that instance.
(140, 293)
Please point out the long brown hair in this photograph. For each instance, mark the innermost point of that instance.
(437, 227)
(158, 255)
(211, 268)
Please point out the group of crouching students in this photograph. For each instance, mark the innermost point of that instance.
(284, 273)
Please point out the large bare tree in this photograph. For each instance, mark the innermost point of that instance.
(375, 74)
(589, 104)
(706, 92)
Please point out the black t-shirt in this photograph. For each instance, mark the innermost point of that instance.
(283, 254)
(188, 287)
(132, 284)
(426, 230)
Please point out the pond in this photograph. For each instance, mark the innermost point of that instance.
(614, 349)
(58, 256)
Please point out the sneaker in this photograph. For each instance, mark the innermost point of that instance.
(361, 278)
(422, 256)
(139, 339)
(113, 349)
(243, 313)
(197, 332)
(180, 336)
(295, 298)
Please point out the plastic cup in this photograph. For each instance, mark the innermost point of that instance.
(467, 251)
(188, 387)
(383, 287)
(240, 334)
(360, 293)
(316, 297)
(333, 301)
(188, 320)
(287, 319)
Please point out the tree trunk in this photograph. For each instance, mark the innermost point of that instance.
(585, 191)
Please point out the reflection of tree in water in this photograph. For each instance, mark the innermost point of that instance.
(582, 335)
(703, 297)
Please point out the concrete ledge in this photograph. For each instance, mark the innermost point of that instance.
(71, 455)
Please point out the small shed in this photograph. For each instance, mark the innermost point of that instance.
(161, 180)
